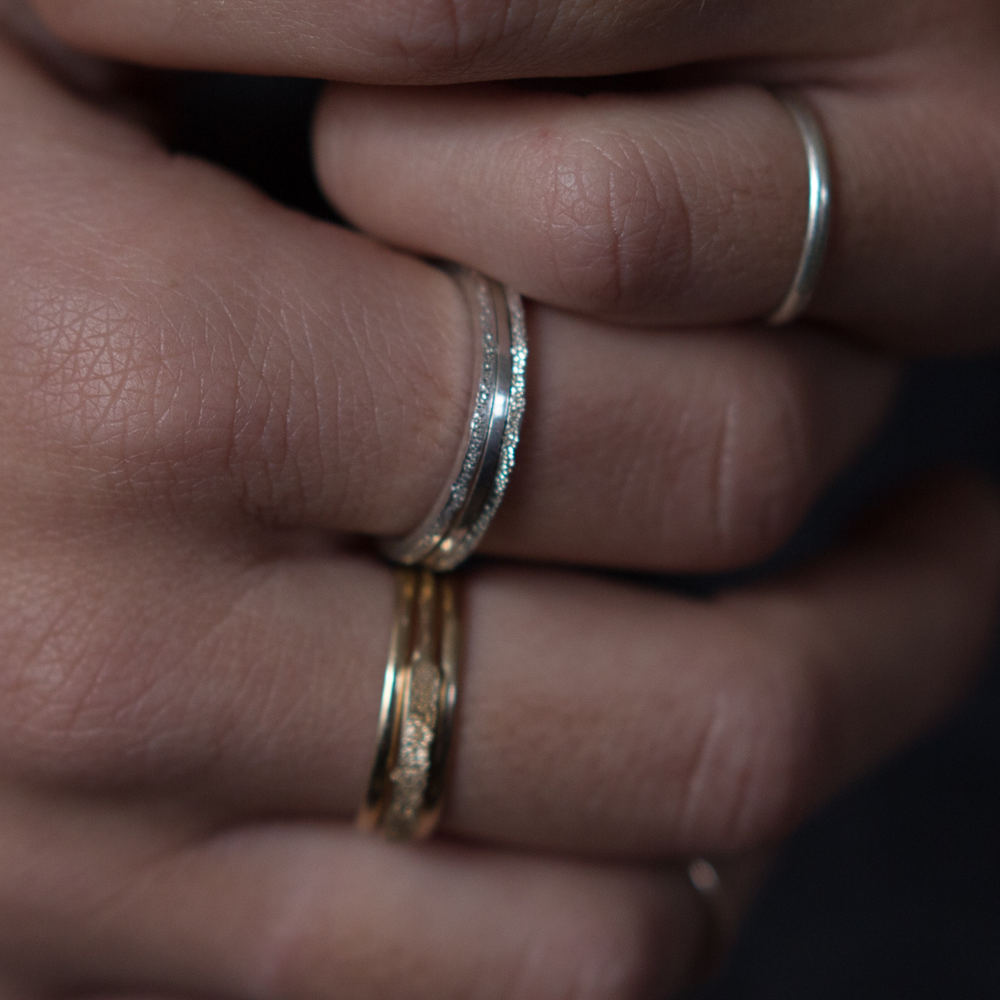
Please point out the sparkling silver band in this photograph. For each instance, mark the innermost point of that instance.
(463, 511)
(818, 222)
(406, 788)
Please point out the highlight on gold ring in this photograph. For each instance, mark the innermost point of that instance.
(406, 789)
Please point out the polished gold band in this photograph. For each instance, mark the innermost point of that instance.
(406, 789)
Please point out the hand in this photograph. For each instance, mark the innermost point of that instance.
(200, 393)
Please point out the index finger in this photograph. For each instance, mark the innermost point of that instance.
(450, 41)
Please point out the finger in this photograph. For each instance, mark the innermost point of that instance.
(595, 716)
(448, 43)
(286, 910)
(686, 207)
(649, 724)
(211, 358)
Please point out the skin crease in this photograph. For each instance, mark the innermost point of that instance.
(193, 652)
(438, 43)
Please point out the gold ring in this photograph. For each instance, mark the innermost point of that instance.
(415, 723)
(721, 921)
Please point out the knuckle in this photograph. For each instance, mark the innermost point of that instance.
(617, 223)
(146, 388)
(758, 755)
(608, 948)
(449, 40)
(762, 465)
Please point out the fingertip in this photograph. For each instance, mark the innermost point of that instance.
(955, 510)
(854, 390)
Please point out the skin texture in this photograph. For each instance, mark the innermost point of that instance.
(679, 201)
(204, 398)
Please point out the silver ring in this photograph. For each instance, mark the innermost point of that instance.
(465, 507)
(818, 224)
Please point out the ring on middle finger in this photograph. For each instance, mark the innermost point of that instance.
(463, 511)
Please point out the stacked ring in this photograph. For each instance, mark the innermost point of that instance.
(404, 796)
(464, 509)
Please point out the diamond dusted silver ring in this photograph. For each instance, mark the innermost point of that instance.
(818, 219)
(465, 507)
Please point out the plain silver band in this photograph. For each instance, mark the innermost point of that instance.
(464, 509)
(818, 224)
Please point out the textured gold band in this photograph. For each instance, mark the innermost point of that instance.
(418, 710)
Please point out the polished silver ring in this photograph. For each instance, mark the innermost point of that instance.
(463, 511)
(818, 222)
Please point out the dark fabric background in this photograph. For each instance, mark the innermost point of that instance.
(894, 891)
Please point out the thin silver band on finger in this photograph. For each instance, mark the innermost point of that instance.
(465, 507)
(818, 222)
(720, 927)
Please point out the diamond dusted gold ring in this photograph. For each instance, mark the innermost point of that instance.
(406, 789)
(818, 218)
(472, 494)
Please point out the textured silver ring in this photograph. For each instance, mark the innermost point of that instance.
(818, 221)
(465, 507)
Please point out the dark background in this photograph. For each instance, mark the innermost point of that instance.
(894, 890)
